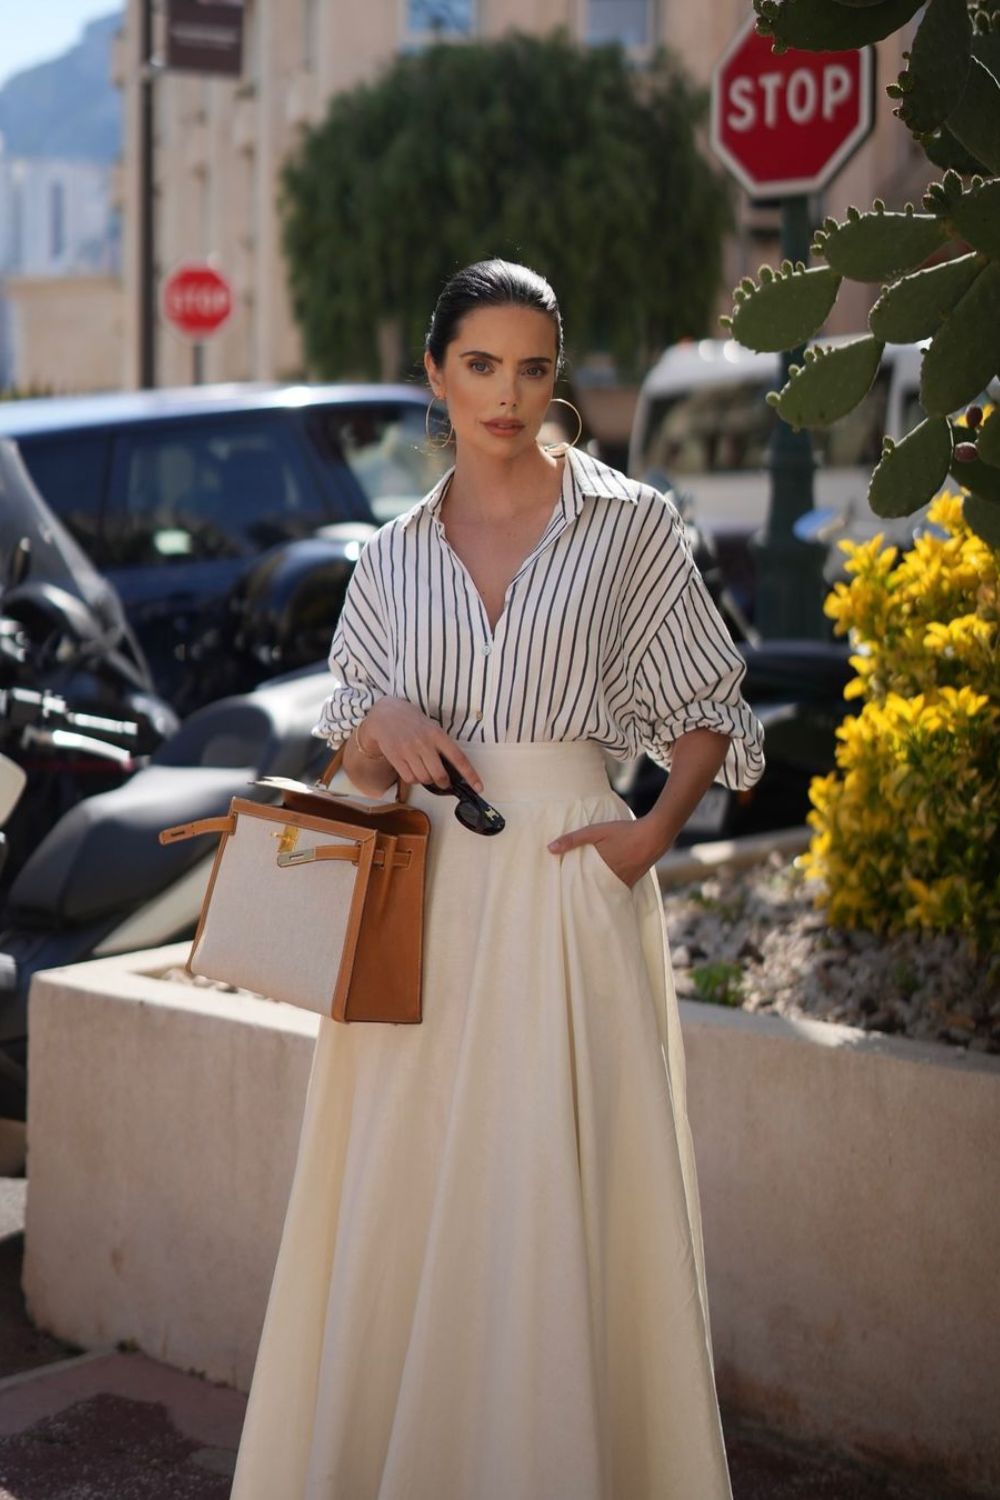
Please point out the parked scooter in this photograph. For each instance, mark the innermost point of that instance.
(100, 882)
(77, 707)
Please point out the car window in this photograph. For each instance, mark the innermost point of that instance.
(387, 450)
(725, 427)
(207, 490)
(71, 474)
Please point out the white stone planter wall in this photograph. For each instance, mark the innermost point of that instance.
(850, 1188)
(849, 1183)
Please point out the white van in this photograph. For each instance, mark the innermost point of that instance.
(702, 424)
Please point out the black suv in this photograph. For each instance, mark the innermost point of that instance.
(209, 506)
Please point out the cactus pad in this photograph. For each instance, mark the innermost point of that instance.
(976, 217)
(982, 479)
(877, 246)
(975, 120)
(983, 515)
(829, 385)
(915, 307)
(935, 75)
(911, 472)
(988, 444)
(784, 308)
(943, 149)
(965, 352)
(821, 26)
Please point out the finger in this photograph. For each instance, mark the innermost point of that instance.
(405, 770)
(571, 840)
(433, 767)
(463, 765)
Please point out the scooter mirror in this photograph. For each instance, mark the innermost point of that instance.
(18, 564)
(818, 525)
(12, 780)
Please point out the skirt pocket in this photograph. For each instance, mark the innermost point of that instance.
(604, 872)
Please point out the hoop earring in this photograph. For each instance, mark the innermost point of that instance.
(431, 442)
(563, 402)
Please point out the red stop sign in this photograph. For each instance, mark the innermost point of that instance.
(196, 300)
(787, 123)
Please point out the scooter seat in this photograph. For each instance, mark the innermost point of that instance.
(104, 857)
(801, 671)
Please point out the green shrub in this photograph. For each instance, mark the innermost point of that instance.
(907, 830)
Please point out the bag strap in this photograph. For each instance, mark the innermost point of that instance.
(192, 830)
(335, 762)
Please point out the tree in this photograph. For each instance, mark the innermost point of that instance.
(948, 96)
(536, 149)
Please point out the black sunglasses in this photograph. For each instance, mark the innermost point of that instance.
(473, 811)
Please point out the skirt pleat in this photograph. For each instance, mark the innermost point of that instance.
(490, 1283)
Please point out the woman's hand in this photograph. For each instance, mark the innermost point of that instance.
(413, 744)
(632, 846)
(628, 846)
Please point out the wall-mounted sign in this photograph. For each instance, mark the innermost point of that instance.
(205, 36)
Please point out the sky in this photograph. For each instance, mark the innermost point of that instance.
(34, 32)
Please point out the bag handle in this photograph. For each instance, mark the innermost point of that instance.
(335, 762)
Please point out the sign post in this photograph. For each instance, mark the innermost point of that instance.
(196, 301)
(200, 36)
(784, 126)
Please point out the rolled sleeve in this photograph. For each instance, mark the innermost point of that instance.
(689, 678)
(359, 657)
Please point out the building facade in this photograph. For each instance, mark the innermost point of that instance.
(220, 144)
(56, 224)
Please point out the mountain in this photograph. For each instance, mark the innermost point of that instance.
(67, 107)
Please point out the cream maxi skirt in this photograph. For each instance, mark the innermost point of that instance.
(490, 1283)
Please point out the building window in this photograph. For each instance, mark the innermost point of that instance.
(427, 20)
(310, 34)
(629, 22)
(57, 221)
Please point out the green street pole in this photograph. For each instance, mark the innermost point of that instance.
(790, 587)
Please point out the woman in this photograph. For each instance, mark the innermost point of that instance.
(491, 1283)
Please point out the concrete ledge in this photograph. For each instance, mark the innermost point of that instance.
(163, 1121)
(680, 866)
(849, 1185)
(850, 1193)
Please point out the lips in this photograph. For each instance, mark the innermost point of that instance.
(503, 427)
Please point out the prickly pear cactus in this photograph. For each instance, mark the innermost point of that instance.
(875, 246)
(948, 96)
(911, 472)
(781, 310)
(829, 384)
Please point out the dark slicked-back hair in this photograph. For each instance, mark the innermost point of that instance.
(489, 283)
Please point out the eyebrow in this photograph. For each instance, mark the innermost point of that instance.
(536, 359)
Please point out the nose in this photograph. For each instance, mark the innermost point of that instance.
(509, 397)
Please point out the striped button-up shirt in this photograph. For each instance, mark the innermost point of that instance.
(608, 632)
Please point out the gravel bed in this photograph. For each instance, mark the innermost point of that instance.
(754, 938)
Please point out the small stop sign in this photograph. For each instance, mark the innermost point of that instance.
(196, 300)
(786, 124)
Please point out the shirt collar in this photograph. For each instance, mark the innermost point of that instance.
(583, 476)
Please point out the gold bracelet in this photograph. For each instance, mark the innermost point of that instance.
(368, 754)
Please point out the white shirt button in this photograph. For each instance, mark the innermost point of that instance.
(487, 648)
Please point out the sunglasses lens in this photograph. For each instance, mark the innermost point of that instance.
(471, 816)
(478, 819)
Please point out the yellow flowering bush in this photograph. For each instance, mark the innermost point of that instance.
(907, 829)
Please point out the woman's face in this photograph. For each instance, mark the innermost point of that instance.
(497, 378)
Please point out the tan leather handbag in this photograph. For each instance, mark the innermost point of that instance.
(318, 901)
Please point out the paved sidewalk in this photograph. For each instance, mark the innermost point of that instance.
(116, 1425)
